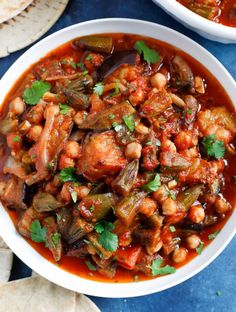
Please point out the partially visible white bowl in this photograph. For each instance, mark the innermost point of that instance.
(7, 229)
(197, 23)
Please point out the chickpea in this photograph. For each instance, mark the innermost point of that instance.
(196, 214)
(179, 255)
(169, 207)
(193, 241)
(80, 117)
(168, 146)
(36, 114)
(141, 129)
(133, 150)
(35, 133)
(17, 106)
(147, 207)
(158, 81)
(66, 162)
(82, 191)
(72, 149)
(160, 195)
(221, 205)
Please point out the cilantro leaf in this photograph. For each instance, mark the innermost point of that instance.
(153, 185)
(213, 235)
(150, 56)
(74, 196)
(33, 94)
(158, 270)
(90, 266)
(98, 88)
(92, 208)
(37, 233)
(213, 147)
(73, 65)
(199, 249)
(16, 138)
(68, 174)
(55, 238)
(116, 126)
(81, 66)
(108, 240)
(64, 109)
(111, 116)
(129, 121)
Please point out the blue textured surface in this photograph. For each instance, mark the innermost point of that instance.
(198, 293)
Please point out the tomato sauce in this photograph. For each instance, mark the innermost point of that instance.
(215, 96)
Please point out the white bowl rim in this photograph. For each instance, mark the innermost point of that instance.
(34, 259)
(197, 21)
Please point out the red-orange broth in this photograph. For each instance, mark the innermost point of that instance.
(214, 96)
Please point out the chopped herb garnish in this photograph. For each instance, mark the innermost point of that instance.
(172, 228)
(149, 143)
(189, 111)
(213, 235)
(89, 58)
(117, 90)
(74, 196)
(16, 138)
(68, 175)
(81, 66)
(73, 64)
(158, 270)
(199, 249)
(153, 185)
(111, 116)
(55, 238)
(64, 109)
(85, 72)
(107, 239)
(37, 233)
(116, 126)
(150, 56)
(136, 278)
(98, 88)
(213, 147)
(129, 121)
(158, 142)
(33, 94)
(90, 266)
(92, 208)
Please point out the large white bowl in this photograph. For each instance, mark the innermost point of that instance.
(52, 272)
(197, 23)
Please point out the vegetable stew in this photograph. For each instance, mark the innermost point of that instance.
(218, 11)
(118, 157)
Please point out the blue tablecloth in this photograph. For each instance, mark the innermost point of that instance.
(214, 288)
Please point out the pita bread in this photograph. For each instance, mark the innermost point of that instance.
(6, 260)
(30, 25)
(39, 295)
(11, 8)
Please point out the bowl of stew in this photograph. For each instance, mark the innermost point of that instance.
(118, 158)
(214, 19)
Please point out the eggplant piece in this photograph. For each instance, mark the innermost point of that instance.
(29, 192)
(43, 201)
(101, 251)
(15, 167)
(14, 193)
(53, 238)
(82, 84)
(78, 229)
(170, 246)
(149, 238)
(114, 61)
(26, 219)
(98, 189)
(187, 198)
(109, 271)
(103, 121)
(183, 71)
(192, 227)
(191, 109)
(77, 250)
(126, 178)
(156, 104)
(210, 220)
(76, 99)
(127, 208)
(174, 161)
(64, 218)
(94, 43)
(97, 207)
